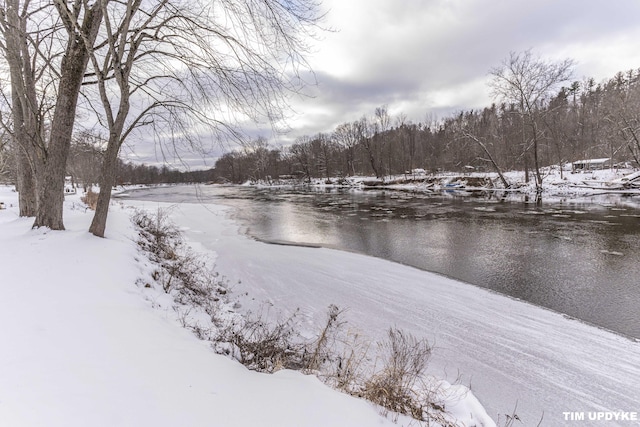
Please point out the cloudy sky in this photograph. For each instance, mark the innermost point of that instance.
(430, 58)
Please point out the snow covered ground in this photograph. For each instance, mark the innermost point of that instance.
(555, 183)
(82, 345)
(510, 352)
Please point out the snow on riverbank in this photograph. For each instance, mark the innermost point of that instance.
(555, 183)
(512, 353)
(80, 346)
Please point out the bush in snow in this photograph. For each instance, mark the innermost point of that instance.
(264, 346)
(404, 359)
(90, 199)
(178, 270)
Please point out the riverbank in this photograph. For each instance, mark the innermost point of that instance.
(87, 341)
(82, 345)
(510, 352)
(556, 183)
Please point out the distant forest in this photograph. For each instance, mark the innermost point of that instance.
(582, 121)
(585, 120)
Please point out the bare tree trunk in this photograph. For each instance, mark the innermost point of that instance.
(74, 65)
(536, 164)
(25, 173)
(351, 167)
(107, 180)
(23, 99)
(25, 184)
(369, 147)
(493, 162)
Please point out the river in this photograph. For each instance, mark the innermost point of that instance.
(577, 256)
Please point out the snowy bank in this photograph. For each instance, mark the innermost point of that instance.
(556, 183)
(510, 352)
(80, 346)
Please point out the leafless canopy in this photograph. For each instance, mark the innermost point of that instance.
(527, 80)
(179, 68)
(195, 66)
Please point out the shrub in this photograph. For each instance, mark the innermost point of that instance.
(90, 199)
(178, 268)
(322, 351)
(404, 359)
(266, 346)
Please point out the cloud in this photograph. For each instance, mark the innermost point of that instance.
(432, 57)
(436, 54)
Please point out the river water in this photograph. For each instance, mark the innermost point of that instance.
(580, 257)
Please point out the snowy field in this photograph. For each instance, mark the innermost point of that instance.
(82, 345)
(510, 352)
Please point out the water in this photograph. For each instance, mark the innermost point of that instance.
(580, 257)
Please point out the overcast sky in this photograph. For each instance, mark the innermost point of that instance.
(431, 58)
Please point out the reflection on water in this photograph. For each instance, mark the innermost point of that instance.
(578, 257)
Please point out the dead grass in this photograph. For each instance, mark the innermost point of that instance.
(90, 199)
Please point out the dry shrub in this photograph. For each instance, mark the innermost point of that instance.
(404, 360)
(351, 365)
(90, 199)
(322, 351)
(266, 346)
(178, 269)
(157, 235)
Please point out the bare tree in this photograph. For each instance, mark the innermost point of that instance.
(81, 33)
(25, 122)
(257, 150)
(369, 141)
(347, 136)
(322, 148)
(5, 156)
(47, 57)
(381, 125)
(528, 81)
(486, 151)
(175, 66)
(303, 156)
(406, 133)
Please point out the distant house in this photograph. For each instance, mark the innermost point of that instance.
(69, 186)
(591, 164)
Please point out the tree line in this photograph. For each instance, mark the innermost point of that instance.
(532, 124)
(86, 155)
